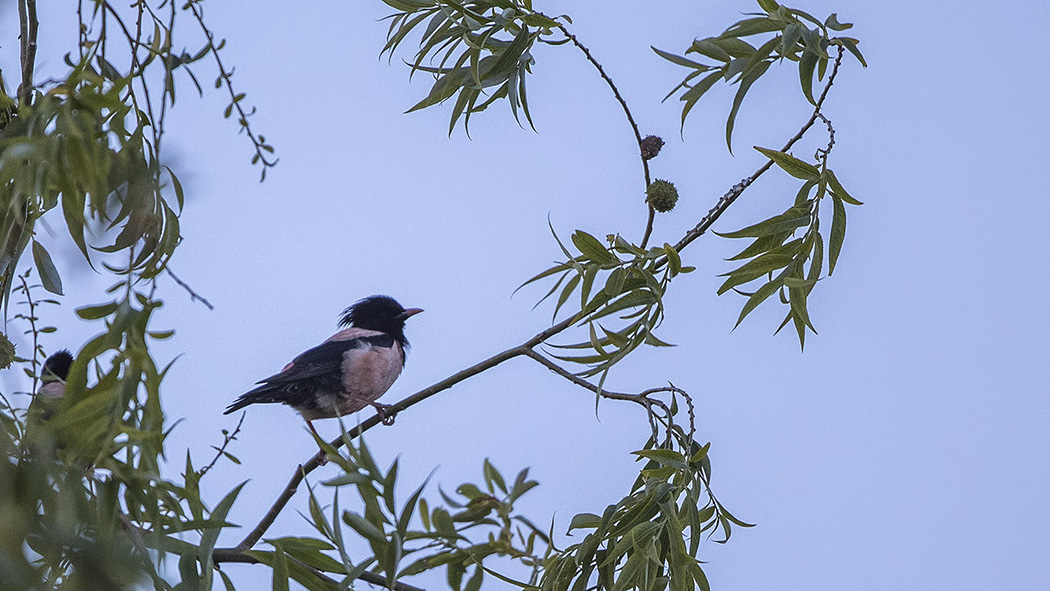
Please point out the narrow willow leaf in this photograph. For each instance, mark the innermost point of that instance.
(584, 521)
(757, 298)
(795, 217)
(49, 276)
(791, 165)
(711, 50)
(677, 59)
(745, 85)
(761, 245)
(838, 233)
(593, 249)
(674, 260)
(837, 189)
(692, 95)
(851, 45)
(833, 23)
(766, 263)
(753, 26)
(806, 67)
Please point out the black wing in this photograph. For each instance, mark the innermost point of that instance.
(316, 368)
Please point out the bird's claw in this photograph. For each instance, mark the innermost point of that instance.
(382, 410)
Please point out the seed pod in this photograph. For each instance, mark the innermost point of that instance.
(662, 195)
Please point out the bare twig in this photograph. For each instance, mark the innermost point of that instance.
(726, 200)
(32, 327)
(194, 296)
(219, 451)
(28, 25)
(630, 119)
(235, 100)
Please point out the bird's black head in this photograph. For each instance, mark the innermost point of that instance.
(57, 366)
(381, 313)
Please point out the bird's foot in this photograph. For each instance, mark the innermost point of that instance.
(385, 415)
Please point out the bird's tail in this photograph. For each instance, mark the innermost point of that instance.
(260, 395)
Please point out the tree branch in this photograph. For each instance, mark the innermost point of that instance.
(630, 119)
(28, 25)
(525, 349)
(730, 196)
(194, 296)
(235, 100)
(312, 464)
(221, 555)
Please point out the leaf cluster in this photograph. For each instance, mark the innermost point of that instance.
(797, 36)
(84, 148)
(650, 539)
(788, 265)
(86, 505)
(478, 51)
(617, 283)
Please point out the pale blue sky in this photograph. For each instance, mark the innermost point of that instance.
(905, 449)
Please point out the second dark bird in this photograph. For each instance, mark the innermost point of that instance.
(347, 372)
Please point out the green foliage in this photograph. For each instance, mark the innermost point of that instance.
(85, 503)
(797, 36)
(482, 51)
(778, 258)
(620, 284)
(650, 539)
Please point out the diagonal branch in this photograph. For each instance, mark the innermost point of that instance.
(313, 463)
(730, 196)
(236, 553)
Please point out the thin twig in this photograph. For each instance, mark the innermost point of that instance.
(28, 25)
(219, 451)
(726, 200)
(194, 296)
(630, 119)
(226, 77)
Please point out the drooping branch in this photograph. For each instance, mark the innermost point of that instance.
(730, 196)
(630, 120)
(261, 147)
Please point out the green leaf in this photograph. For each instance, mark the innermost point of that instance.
(791, 165)
(833, 23)
(837, 189)
(806, 66)
(593, 249)
(745, 84)
(96, 312)
(753, 26)
(584, 521)
(49, 276)
(757, 298)
(364, 527)
(692, 95)
(795, 217)
(851, 45)
(664, 457)
(677, 59)
(838, 233)
(710, 49)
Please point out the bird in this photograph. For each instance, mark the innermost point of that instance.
(348, 371)
(53, 376)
